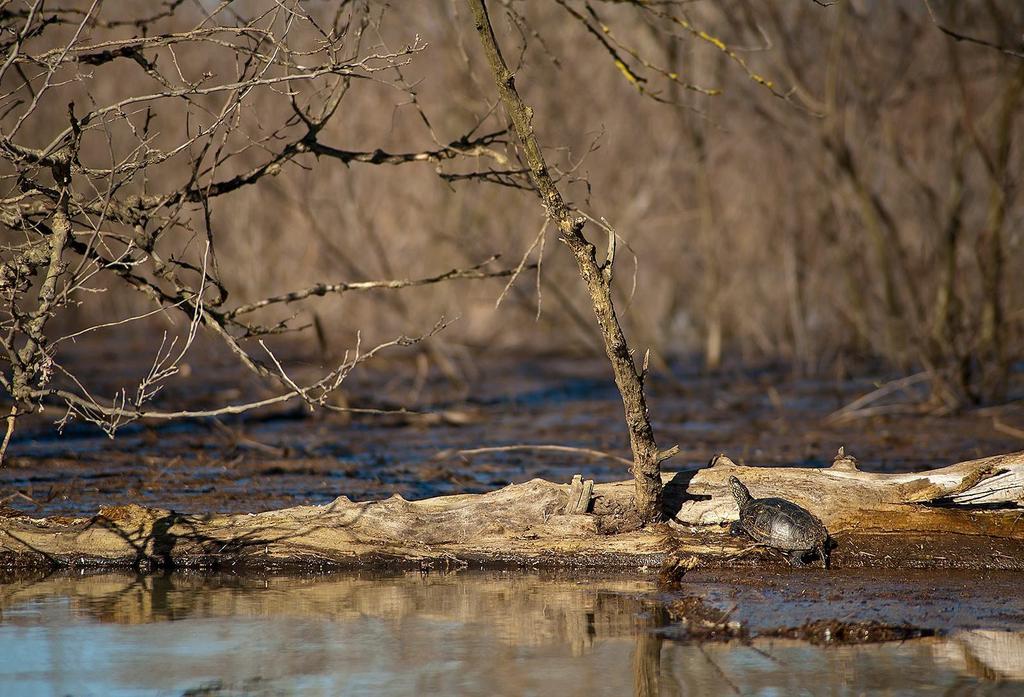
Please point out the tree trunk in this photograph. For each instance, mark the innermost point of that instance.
(597, 277)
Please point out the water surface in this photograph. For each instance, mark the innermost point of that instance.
(490, 633)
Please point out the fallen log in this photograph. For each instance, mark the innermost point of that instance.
(966, 515)
(948, 499)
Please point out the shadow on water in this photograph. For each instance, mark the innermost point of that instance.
(502, 633)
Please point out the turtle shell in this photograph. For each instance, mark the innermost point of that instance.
(782, 524)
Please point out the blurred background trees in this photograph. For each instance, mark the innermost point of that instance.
(833, 186)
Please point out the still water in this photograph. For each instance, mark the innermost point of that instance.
(490, 633)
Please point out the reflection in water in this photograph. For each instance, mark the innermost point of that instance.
(985, 653)
(647, 654)
(470, 633)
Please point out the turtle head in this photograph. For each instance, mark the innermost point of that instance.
(825, 544)
(739, 491)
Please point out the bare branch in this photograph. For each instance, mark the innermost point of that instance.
(473, 272)
(116, 414)
(1016, 53)
(469, 452)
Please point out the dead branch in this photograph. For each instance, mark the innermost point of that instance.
(112, 416)
(473, 272)
(106, 194)
(858, 406)
(526, 447)
(958, 36)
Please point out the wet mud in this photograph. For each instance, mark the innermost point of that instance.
(859, 604)
(850, 550)
(288, 456)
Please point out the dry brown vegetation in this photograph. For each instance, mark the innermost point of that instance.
(818, 229)
(820, 183)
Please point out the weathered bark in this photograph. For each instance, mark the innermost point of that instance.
(520, 522)
(966, 515)
(944, 500)
(596, 276)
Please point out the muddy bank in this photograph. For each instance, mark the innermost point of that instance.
(182, 494)
(926, 520)
(691, 619)
(288, 457)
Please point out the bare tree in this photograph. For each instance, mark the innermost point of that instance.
(596, 275)
(117, 136)
(125, 132)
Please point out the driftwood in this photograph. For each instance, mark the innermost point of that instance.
(966, 515)
(846, 497)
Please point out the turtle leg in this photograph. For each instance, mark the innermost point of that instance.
(736, 529)
(796, 558)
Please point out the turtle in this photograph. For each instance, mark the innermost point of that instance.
(780, 524)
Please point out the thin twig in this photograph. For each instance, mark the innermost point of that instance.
(544, 448)
(473, 272)
(1007, 429)
(522, 263)
(8, 433)
(858, 406)
(321, 387)
(969, 39)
